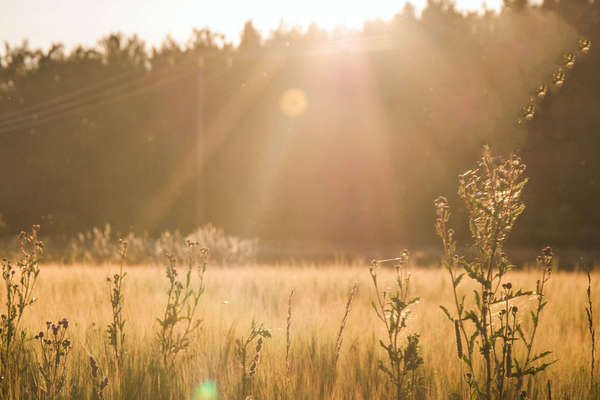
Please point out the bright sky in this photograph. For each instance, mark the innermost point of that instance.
(73, 22)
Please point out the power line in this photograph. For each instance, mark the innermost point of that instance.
(75, 101)
(8, 116)
(57, 104)
(60, 106)
(98, 100)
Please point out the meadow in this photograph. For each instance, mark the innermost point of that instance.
(235, 296)
(473, 326)
(306, 143)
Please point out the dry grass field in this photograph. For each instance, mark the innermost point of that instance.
(235, 296)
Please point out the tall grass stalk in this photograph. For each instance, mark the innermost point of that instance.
(288, 341)
(589, 311)
(340, 335)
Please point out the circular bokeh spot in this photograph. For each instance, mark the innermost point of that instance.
(205, 391)
(293, 102)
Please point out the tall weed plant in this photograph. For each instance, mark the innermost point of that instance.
(492, 340)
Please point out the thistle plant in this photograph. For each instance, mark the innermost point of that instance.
(99, 381)
(115, 331)
(392, 309)
(19, 281)
(492, 328)
(242, 347)
(179, 319)
(54, 349)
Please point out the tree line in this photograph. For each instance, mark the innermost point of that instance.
(183, 134)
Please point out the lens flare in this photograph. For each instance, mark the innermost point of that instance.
(207, 390)
(293, 102)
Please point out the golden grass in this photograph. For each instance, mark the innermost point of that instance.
(236, 296)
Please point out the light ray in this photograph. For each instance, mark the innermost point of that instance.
(211, 135)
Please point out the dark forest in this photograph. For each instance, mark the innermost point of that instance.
(150, 139)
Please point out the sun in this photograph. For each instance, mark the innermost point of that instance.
(269, 14)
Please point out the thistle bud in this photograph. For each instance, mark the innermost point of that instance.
(459, 348)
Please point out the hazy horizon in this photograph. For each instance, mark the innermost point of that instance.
(70, 23)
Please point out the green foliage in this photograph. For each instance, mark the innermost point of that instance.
(492, 327)
(392, 309)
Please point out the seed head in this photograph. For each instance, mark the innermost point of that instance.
(440, 202)
(459, 348)
(94, 367)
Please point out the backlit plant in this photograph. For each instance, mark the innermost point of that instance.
(242, 349)
(392, 307)
(19, 281)
(498, 352)
(179, 319)
(116, 329)
(54, 349)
